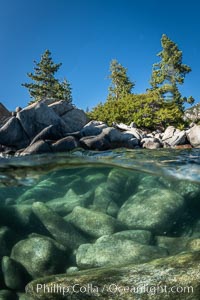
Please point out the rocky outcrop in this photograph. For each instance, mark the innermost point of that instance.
(12, 134)
(193, 136)
(4, 114)
(48, 127)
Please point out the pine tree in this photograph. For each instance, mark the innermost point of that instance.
(45, 85)
(170, 72)
(120, 82)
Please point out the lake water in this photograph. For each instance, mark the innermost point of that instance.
(66, 212)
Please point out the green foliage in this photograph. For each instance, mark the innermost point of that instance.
(145, 110)
(170, 72)
(120, 82)
(45, 85)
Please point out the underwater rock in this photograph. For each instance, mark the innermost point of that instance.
(40, 191)
(7, 239)
(2, 284)
(18, 217)
(194, 245)
(71, 270)
(173, 245)
(67, 203)
(8, 295)
(131, 185)
(15, 276)
(104, 200)
(94, 179)
(39, 256)
(153, 209)
(58, 245)
(93, 223)
(23, 296)
(111, 250)
(62, 231)
(116, 180)
(147, 182)
(176, 277)
(189, 190)
(65, 144)
(139, 236)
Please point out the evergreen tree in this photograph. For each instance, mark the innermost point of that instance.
(120, 83)
(45, 85)
(170, 72)
(145, 110)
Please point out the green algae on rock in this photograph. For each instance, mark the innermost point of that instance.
(152, 209)
(172, 278)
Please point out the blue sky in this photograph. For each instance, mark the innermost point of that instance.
(85, 35)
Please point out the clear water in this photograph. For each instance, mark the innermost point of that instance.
(122, 173)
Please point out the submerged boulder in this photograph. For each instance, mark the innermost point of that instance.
(15, 275)
(173, 278)
(62, 231)
(139, 236)
(39, 256)
(104, 200)
(7, 239)
(152, 209)
(8, 295)
(110, 250)
(94, 223)
(70, 200)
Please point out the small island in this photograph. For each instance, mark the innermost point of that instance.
(152, 120)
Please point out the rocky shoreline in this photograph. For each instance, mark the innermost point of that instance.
(49, 127)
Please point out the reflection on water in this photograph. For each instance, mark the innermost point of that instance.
(91, 209)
